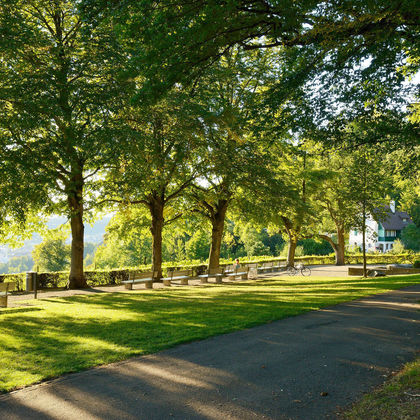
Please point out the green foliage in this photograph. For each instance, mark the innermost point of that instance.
(198, 246)
(127, 242)
(398, 247)
(416, 264)
(410, 237)
(60, 92)
(182, 39)
(18, 278)
(315, 247)
(252, 240)
(52, 255)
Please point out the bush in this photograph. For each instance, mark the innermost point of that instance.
(416, 264)
(18, 278)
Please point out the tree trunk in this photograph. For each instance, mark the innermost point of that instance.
(364, 241)
(218, 225)
(77, 279)
(340, 248)
(156, 210)
(291, 251)
(334, 246)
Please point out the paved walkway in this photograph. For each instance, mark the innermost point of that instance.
(306, 367)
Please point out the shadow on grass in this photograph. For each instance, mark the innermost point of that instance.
(207, 380)
(19, 310)
(77, 332)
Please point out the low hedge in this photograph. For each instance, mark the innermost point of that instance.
(111, 277)
(18, 278)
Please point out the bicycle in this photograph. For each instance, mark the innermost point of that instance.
(304, 271)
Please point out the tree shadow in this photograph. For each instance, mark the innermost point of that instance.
(258, 373)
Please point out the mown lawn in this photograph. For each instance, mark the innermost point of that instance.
(55, 336)
(398, 399)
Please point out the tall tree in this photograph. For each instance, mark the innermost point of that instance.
(336, 211)
(230, 95)
(157, 163)
(366, 179)
(58, 91)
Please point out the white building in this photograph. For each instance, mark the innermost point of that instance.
(380, 235)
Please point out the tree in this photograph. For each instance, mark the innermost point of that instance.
(52, 254)
(59, 89)
(252, 240)
(194, 34)
(410, 237)
(366, 192)
(336, 210)
(157, 163)
(127, 241)
(374, 39)
(230, 95)
(296, 216)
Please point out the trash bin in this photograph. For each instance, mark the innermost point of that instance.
(30, 281)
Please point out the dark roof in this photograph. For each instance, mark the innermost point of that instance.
(395, 221)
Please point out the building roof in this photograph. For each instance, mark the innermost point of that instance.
(396, 221)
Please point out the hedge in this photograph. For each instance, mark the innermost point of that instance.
(111, 277)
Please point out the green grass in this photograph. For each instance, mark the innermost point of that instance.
(55, 336)
(398, 399)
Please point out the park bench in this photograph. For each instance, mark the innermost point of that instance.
(138, 277)
(216, 273)
(266, 267)
(237, 271)
(5, 288)
(183, 275)
(277, 266)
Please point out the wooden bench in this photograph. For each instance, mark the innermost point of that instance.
(266, 267)
(183, 275)
(137, 277)
(5, 288)
(277, 266)
(216, 273)
(238, 271)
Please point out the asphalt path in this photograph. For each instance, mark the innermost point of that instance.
(306, 367)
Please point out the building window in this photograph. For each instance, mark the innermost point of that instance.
(391, 233)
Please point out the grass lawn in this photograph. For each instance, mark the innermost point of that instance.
(55, 336)
(398, 399)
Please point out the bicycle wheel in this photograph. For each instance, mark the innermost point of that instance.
(291, 271)
(306, 271)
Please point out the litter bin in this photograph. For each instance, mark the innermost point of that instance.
(30, 281)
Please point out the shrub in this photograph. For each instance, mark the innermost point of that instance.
(18, 278)
(416, 264)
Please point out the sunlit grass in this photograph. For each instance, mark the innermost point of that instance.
(398, 399)
(55, 336)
